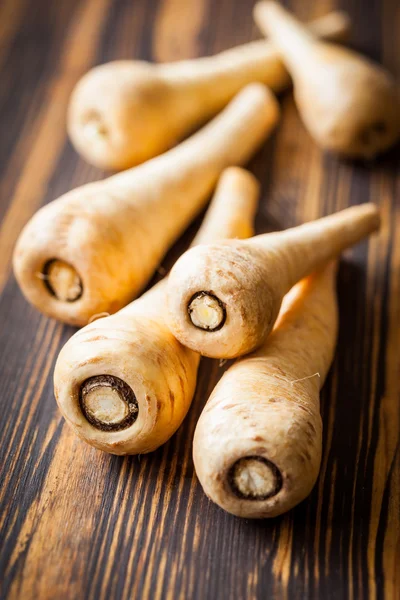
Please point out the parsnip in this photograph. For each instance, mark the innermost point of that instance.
(224, 298)
(93, 249)
(125, 112)
(257, 445)
(124, 383)
(348, 103)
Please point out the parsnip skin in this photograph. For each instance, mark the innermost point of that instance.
(125, 112)
(349, 104)
(145, 378)
(135, 346)
(249, 279)
(114, 233)
(257, 445)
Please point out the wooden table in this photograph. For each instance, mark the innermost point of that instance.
(76, 523)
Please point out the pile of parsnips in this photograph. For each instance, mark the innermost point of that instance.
(125, 381)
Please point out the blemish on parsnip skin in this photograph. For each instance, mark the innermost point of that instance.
(183, 366)
(309, 437)
(97, 338)
(91, 361)
(182, 384)
(243, 312)
(172, 400)
(280, 371)
(311, 426)
(232, 275)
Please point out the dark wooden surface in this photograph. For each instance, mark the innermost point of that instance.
(75, 523)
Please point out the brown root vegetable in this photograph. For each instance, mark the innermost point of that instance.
(349, 104)
(224, 298)
(125, 112)
(93, 249)
(257, 445)
(124, 383)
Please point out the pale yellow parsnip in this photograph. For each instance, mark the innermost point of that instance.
(258, 442)
(125, 112)
(249, 278)
(349, 104)
(114, 232)
(124, 383)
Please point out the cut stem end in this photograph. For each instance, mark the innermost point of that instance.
(255, 478)
(62, 280)
(93, 128)
(108, 403)
(206, 311)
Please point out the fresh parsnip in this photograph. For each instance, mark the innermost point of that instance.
(125, 112)
(349, 104)
(124, 383)
(258, 442)
(224, 298)
(92, 250)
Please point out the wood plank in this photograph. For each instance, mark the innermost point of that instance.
(76, 523)
(48, 137)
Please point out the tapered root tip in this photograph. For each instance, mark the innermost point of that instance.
(62, 280)
(255, 478)
(108, 403)
(206, 311)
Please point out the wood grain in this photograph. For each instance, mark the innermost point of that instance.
(75, 523)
